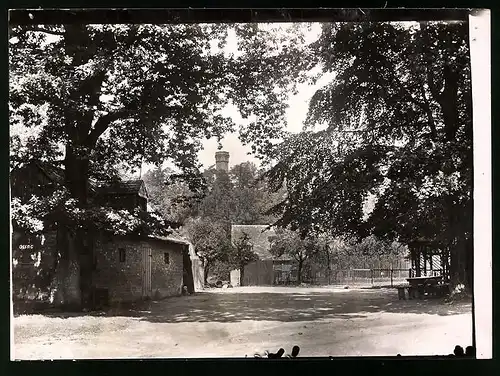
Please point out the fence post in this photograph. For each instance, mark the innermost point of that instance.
(391, 277)
(371, 272)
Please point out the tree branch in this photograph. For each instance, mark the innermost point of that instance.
(403, 90)
(431, 82)
(102, 124)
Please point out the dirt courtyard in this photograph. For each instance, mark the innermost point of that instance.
(239, 321)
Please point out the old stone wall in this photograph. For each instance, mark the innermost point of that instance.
(124, 278)
(33, 265)
(166, 278)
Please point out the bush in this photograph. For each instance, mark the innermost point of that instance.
(221, 271)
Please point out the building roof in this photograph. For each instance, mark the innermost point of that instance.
(121, 187)
(172, 239)
(178, 240)
(52, 171)
(55, 173)
(259, 236)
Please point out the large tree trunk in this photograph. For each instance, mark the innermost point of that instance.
(75, 267)
(74, 276)
(328, 268)
(461, 260)
(469, 264)
(461, 257)
(86, 258)
(67, 292)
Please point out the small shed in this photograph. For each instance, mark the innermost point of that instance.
(130, 268)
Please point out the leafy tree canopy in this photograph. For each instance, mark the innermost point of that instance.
(242, 252)
(210, 240)
(109, 97)
(395, 130)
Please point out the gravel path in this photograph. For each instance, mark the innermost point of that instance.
(240, 321)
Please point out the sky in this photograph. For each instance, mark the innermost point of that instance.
(296, 113)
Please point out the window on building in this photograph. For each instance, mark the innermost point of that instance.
(121, 252)
(166, 258)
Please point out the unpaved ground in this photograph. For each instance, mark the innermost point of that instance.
(240, 321)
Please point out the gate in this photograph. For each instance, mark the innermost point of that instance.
(146, 272)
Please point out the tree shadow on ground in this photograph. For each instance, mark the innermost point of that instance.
(236, 306)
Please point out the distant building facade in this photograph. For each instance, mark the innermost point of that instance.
(268, 270)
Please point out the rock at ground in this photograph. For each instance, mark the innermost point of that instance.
(346, 287)
(224, 286)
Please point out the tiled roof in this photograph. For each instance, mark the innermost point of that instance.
(55, 173)
(259, 237)
(172, 238)
(179, 240)
(120, 187)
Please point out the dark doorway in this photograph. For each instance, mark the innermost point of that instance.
(187, 275)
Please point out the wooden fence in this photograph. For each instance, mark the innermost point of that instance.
(360, 277)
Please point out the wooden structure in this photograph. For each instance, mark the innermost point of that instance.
(123, 194)
(428, 258)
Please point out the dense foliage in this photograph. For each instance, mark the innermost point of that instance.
(211, 241)
(396, 133)
(291, 244)
(386, 149)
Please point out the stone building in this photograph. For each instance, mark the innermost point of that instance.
(270, 270)
(222, 161)
(124, 267)
(131, 268)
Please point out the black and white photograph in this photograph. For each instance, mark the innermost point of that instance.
(261, 189)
